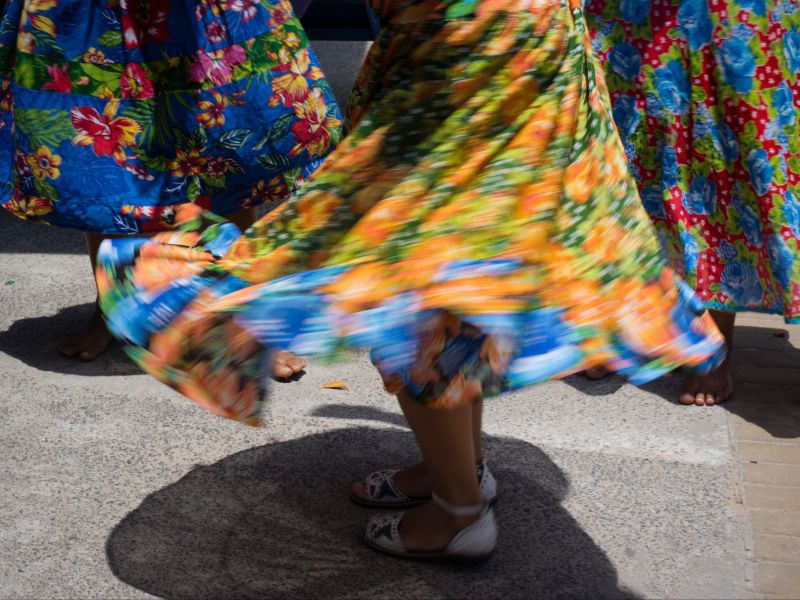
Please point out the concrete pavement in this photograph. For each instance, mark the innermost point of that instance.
(116, 487)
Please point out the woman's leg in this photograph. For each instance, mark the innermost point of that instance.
(716, 386)
(94, 339)
(447, 442)
(415, 481)
(284, 364)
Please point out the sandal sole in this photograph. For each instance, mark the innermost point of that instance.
(410, 504)
(427, 556)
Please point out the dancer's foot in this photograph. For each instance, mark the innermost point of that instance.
(709, 389)
(596, 373)
(413, 482)
(286, 365)
(89, 343)
(429, 528)
(717, 386)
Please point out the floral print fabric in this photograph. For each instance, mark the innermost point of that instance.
(114, 113)
(478, 229)
(705, 96)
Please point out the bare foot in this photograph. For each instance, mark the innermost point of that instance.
(286, 365)
(428, 528)
(709, 389)
(89, 343)
(717, 386)
(414, 482)
(596, 373)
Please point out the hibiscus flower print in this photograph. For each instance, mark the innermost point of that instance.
(107, 134)
(217, 66)
(144, 21)
(187, 163)
(290, 84)
(213, 114)
(135, 82)
(59, 79)
(313, 130)
(44, 163)
(25, 206)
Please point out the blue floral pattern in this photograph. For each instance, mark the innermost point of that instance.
(709, 122)
(114, 114)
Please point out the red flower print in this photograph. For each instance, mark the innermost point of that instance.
(106, 134)
(144, 21)
(21, 166)
(135, 82)
(217, 66)
(218, 166)
(248, 8)
(279, 13)
(313, 130)
(216, 32)
(59, 79)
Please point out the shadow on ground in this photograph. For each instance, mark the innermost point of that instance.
(766, 373)
(275, 521)
(24, 237)
(35, 342)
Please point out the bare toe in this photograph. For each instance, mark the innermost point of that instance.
(286, 365)
(357, 489)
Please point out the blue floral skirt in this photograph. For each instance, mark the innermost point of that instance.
(114, 114)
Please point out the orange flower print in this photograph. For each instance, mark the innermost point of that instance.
(265, 193)
(313, 130)
(44, 163)
(94, 56)
(292, 40)
(290, 84)
(316, 208)
(583, 176)
(107, 134)
(187, 163)
(213, 114)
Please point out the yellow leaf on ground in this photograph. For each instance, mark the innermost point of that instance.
(335, 385)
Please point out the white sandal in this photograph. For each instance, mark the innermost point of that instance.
(380, 490)
(475, 542)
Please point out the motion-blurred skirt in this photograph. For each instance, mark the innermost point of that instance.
(478, 229)
(113, 114)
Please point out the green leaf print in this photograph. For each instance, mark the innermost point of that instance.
(111, 39)
(273, 162)
(279, 129)
(45, 189)
(215, 182)
(44, 127)
(106, 75)
(234, 139)
(195, 188)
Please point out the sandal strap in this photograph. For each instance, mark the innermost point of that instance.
(468, 510)
(380, 486)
